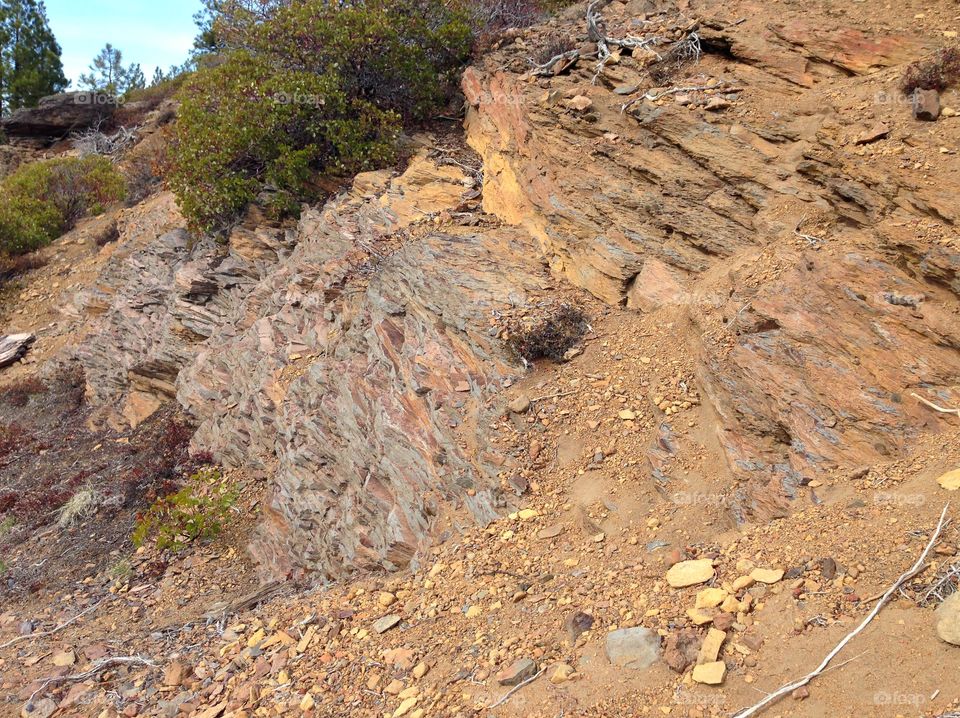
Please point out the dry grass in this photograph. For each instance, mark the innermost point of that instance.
(80, 506)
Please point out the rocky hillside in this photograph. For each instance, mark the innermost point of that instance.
(742, 237)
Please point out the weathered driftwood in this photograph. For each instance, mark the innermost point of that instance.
(13, 347)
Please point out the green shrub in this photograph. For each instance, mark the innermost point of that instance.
(321, 87)
(197, 511)
(42, 200)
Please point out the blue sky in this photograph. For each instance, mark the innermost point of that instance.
(157, 33)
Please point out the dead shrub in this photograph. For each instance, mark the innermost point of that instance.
(107, 234)
(550, 337)
(555, 45)
(938, 73)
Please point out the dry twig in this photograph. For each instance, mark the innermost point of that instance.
(516, 688)
(933, 406)
(790, 687)
(97, 667)
(42, 634)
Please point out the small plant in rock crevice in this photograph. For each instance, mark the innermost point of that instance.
(195, 512)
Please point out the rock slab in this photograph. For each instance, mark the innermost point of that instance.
(635, 648)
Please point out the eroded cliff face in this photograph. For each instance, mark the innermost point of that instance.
(696, 204)
(355, 359)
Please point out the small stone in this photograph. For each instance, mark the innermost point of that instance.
(64, 658)
(382, 625)
(550, 531)
(627, 415)
(716, 103)
(474, 611)
(766, 575)
(405, 707)
(420, 670)
(681, 650)
(519, 405)
(38, 709)
(636, 648)
(527, 514)
(517, 672)
(699, 616)
(947, 618)
(742, 582)
(394, 687)
(926, 105)
(950, 480)
(711, 674)
(800, 693)
(580, 103)
(561, 674)
(711, 646)
(690, 573)
(877, 132)
(174, 674)
(710, 598)
(307, 702)
(386, 599)
(576, 624)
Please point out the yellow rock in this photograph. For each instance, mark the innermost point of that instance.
(561, 674)
(766, 575)
(742, 583)
(408, 693)
(950, 480)
(710, 648)
(420, 670)
(711, 674)
(627, 415)
(690, 573)
(698, 616)
(525, 514)
(64, 658)
(255, 638)
(710, 597)
(307, 702)
(730, 605)
(474, 611)
(404, 707)
(386, 599)
(283, 678)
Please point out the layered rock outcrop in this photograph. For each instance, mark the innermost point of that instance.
(351, 358)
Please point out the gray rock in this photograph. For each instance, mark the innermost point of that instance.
(636, 648)
(926, 105)
(382, 625)
(947, 618)
(56, 116)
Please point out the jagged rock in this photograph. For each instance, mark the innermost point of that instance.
(926, 105)
(13, 347)
(517, 672)
(681, 650)
(636, 648)
(56, 116)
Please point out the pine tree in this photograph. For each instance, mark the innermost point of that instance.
(106, 72)
(30, 65)
(158, 77)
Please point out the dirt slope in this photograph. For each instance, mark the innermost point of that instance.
(764, 240)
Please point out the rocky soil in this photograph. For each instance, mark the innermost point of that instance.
(751, 440)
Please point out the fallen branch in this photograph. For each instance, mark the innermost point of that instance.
(516, 688)
(933, 406)
(789, 688)
(97, 668)
(672, 91)
(903, 579)
(813, 241)
(51, 631)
